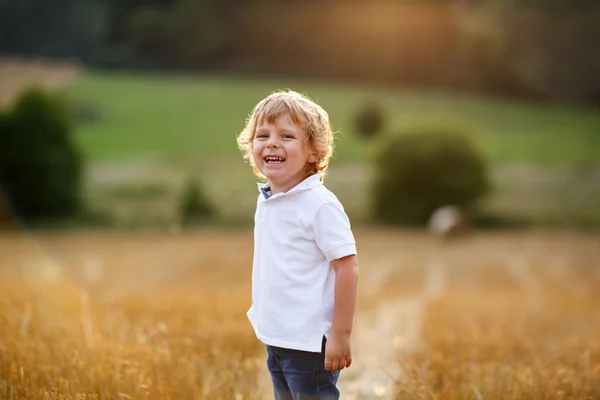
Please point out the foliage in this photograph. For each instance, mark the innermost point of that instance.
(522, 49)
(186, 34)
(195, 206)
(40, 165)
(4, 206)
(120, 14)
(534, 50)
(369, 120)
(66, 28)
(425, 168)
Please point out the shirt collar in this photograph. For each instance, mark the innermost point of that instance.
(306, 184)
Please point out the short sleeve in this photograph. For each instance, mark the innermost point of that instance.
(333, 235)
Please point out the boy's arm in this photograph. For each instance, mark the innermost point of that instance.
(338, 354)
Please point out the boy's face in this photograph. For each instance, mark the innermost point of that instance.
(281, 153)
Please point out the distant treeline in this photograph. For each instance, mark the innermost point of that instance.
(526, 49)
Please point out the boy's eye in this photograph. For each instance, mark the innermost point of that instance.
(261, 136)
(287, 136)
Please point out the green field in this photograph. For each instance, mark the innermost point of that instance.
(166, 117)
(152, 132)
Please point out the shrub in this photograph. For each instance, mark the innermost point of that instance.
(195, 206)
(5, 214)
(369, 120)
(423, 169)
(40, 166)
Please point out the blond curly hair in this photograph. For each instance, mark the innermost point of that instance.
(303, 112)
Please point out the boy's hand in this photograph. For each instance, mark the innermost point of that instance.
(338, 354)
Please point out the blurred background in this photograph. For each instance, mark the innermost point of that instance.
(467, 156)
(150, 95)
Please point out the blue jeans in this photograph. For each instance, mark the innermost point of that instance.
(301, 375)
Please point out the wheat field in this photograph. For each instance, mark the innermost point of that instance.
(97, 315)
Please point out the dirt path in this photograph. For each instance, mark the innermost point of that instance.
(380, 334)
(17, 74)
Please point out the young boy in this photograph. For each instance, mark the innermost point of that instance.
(305, 274)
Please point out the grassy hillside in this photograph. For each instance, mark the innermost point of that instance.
(177, 117)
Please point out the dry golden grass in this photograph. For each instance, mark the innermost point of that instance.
(156, 336)
(530, 330)
(113, 316)
(498, 351)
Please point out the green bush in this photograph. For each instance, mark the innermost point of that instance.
(369, 120)
(40, 166)
(3, 143)
(5, 213)
(195, 206)
(423, 169)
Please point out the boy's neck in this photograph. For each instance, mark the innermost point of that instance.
(282, 189)
(289, 185)
(270, 190)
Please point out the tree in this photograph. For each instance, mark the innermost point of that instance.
(40, 166)
(61, 28)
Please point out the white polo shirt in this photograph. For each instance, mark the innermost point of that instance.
(296, 236)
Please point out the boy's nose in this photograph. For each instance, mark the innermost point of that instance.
(271, 144)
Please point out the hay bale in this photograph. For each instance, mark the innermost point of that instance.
(448, 222)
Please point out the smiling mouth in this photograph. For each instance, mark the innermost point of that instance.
(274, 160)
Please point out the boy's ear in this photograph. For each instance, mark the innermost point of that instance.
(312, 158)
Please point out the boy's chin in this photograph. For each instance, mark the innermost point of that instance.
(271, 172)
(270, 176)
